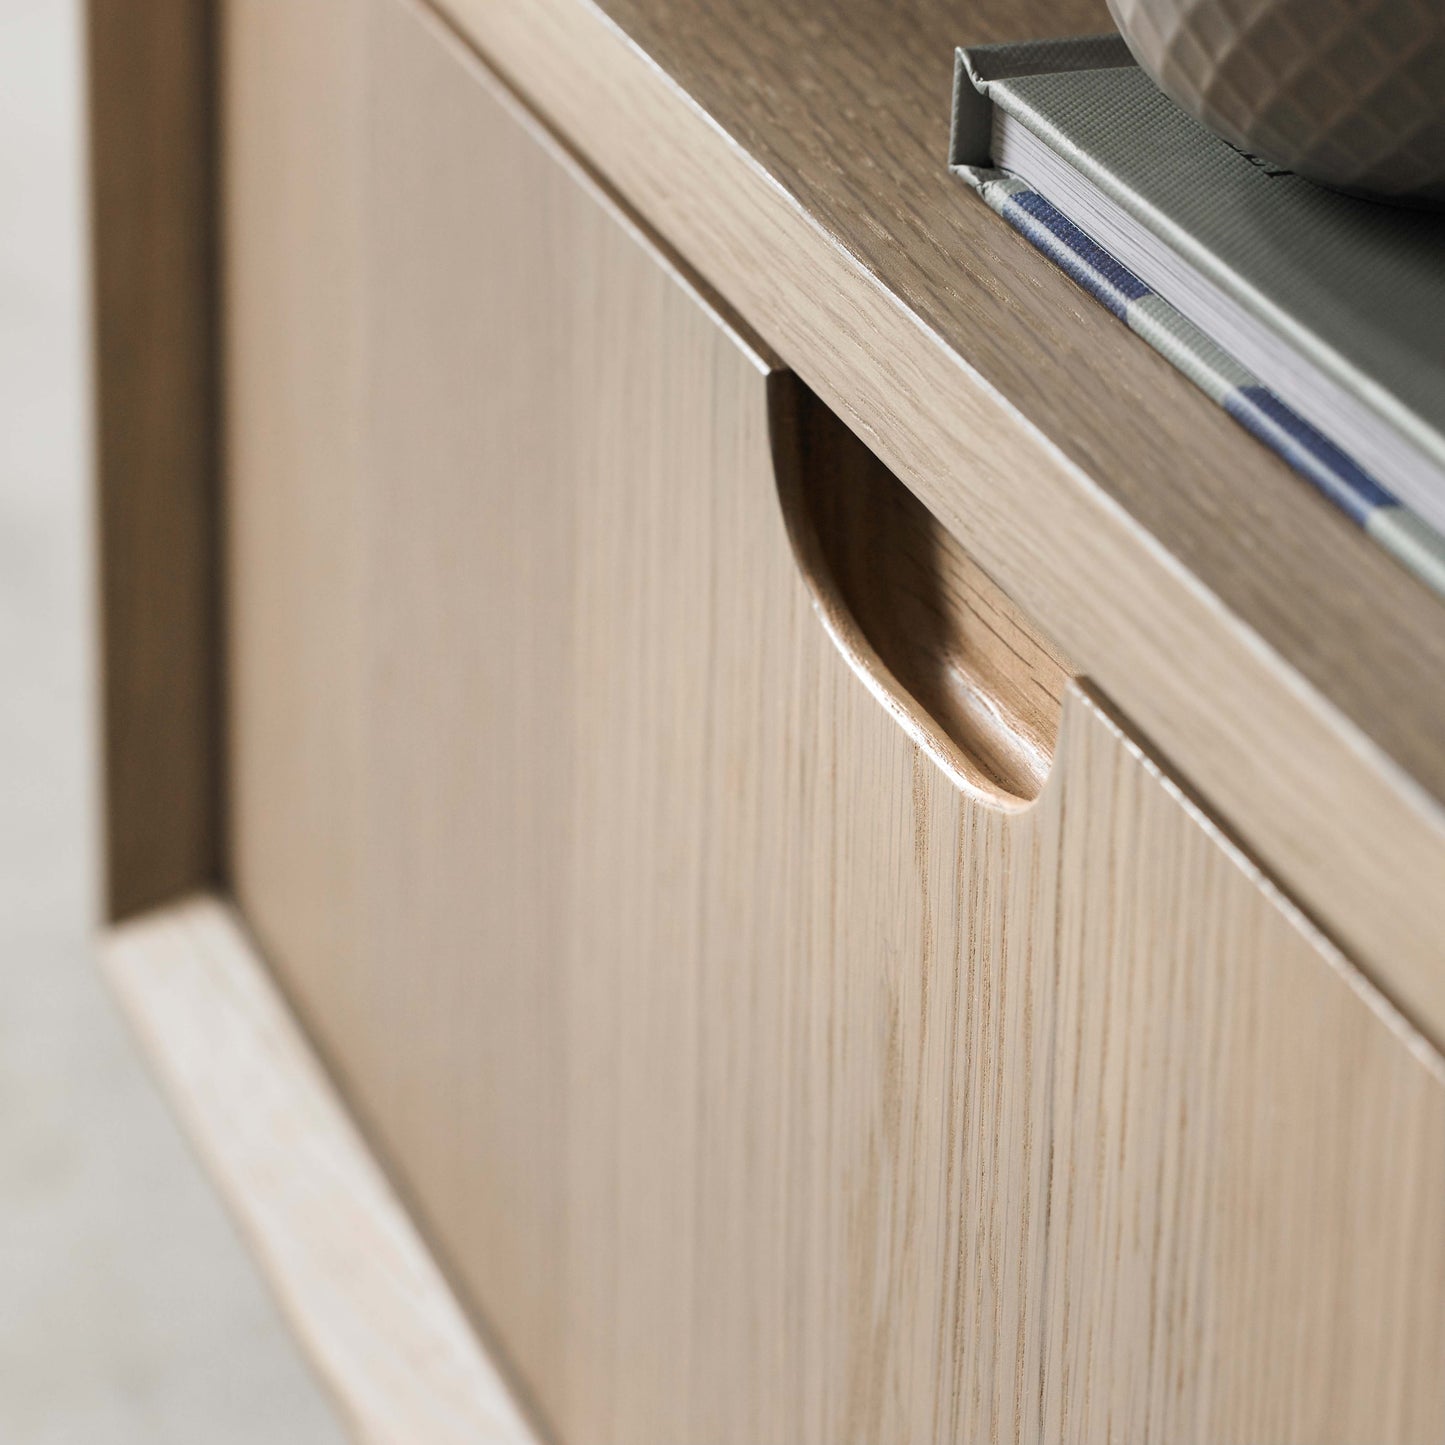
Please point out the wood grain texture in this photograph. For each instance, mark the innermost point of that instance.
(795, 155)
(294, 157)
(958, 666)
(756, 1082)
(151, 83)
(351, 1273)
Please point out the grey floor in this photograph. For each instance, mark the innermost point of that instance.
(129, 1311)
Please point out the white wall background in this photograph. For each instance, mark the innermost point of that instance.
(128, 1310)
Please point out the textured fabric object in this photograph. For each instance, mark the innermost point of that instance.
(1350, 93)
(1339, 477)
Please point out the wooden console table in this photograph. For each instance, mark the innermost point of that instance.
(819, 847)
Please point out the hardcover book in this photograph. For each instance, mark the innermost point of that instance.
(1317, 319)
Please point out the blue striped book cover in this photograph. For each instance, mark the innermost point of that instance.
(1342, 478)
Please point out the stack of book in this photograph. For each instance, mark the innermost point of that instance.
(1316, 319)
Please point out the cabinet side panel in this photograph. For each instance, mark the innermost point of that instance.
(151, 81)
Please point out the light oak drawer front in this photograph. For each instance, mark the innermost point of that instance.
(768, 1065)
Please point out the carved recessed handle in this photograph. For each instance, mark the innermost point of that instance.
(929, 633)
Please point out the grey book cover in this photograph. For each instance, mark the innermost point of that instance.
(1337, 303)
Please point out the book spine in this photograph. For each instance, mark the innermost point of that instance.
(1330, 470)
